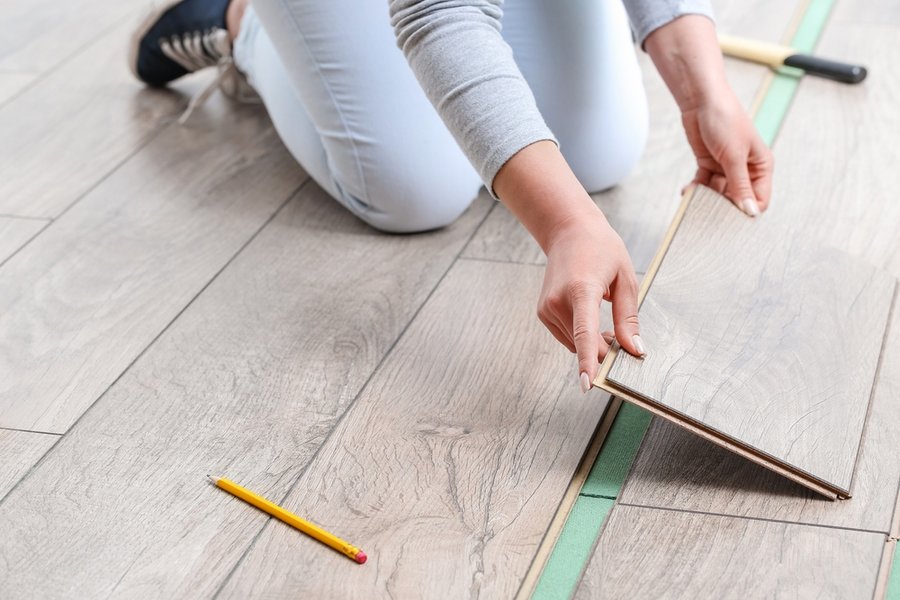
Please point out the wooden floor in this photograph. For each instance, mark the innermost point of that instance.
(183, 300)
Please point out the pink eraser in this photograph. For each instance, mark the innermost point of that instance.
(361, 557)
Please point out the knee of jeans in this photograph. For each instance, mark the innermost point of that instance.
(411, 200)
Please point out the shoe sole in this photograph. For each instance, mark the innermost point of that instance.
(156, 10)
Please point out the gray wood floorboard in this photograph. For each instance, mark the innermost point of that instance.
(248, 383)
(650, 553)
(15, 233)
(776, 350)
(641, 208)
(845, 191)
(70, 129)
(449, 467)
(11, 83)
(81, 301)
(19, 451)
(676, 469)
(38, 35)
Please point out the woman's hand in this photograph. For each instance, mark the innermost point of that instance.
(731, 157)
(586, 260)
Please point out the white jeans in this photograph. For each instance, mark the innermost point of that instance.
(349, 109)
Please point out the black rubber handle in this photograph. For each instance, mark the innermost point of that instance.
(829, 69)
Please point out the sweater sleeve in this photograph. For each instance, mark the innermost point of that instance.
(468, 73)
(647, 16)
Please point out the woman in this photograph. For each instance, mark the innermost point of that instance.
(547, 110)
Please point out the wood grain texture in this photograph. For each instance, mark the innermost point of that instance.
(675, 469)
(79, 303)
(74, 126)
(746, 348)
(38, 35)
(19, 451)
(448, 468)
(641, 207)
(844, 193)
(650, 553)
(15, 233)
(248, 382)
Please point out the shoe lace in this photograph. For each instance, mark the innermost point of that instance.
(196, 50)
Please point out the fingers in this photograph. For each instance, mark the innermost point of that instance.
(762, 164)
(739, 188)
(586, 332)
(625, 314)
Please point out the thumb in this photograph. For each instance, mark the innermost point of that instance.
(625, 315)
(739, 188)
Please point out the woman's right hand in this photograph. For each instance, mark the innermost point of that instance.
(586, 260)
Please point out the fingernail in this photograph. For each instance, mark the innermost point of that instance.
(750, 207)
(638, 344)
(585, 383)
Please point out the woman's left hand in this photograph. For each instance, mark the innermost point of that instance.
(731, 157)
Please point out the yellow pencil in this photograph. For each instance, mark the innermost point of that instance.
(314, 531)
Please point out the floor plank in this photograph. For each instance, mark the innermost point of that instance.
(650, 553)
(776, 352)
(15, 233)
(84, 299)
(448, 468)
(641, 208)
(675, 469)
(845, 191)
(70, 129)
(248, 382)
(20, 450)
(38, 35)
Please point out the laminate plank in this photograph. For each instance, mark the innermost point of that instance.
(641, 208)
(650, 553)
(15, 233)
(675, 469)
(775, 352)
(79, 303)
(247, 382)
(448, 469)
(20, 450)
(844, 192)
(66, 132)
(40, 34)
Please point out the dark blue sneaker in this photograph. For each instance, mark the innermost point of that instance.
(177, 38)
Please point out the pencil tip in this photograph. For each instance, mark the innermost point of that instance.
(211, 478)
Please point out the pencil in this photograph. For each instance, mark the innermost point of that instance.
(310, 529)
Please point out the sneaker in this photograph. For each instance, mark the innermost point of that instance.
(177, 38)
(181, 37)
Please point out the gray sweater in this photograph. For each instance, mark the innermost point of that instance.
(467, 70)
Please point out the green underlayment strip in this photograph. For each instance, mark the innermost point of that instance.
(893, 587)
(598, 494)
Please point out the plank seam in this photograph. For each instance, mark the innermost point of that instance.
(150, 344)
(750, 518)
(29, 431)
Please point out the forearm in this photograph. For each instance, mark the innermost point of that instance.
(687, 55)
(540, 189)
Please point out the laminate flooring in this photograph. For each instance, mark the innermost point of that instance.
(653, 553)
(763, 339)
(183, 301)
